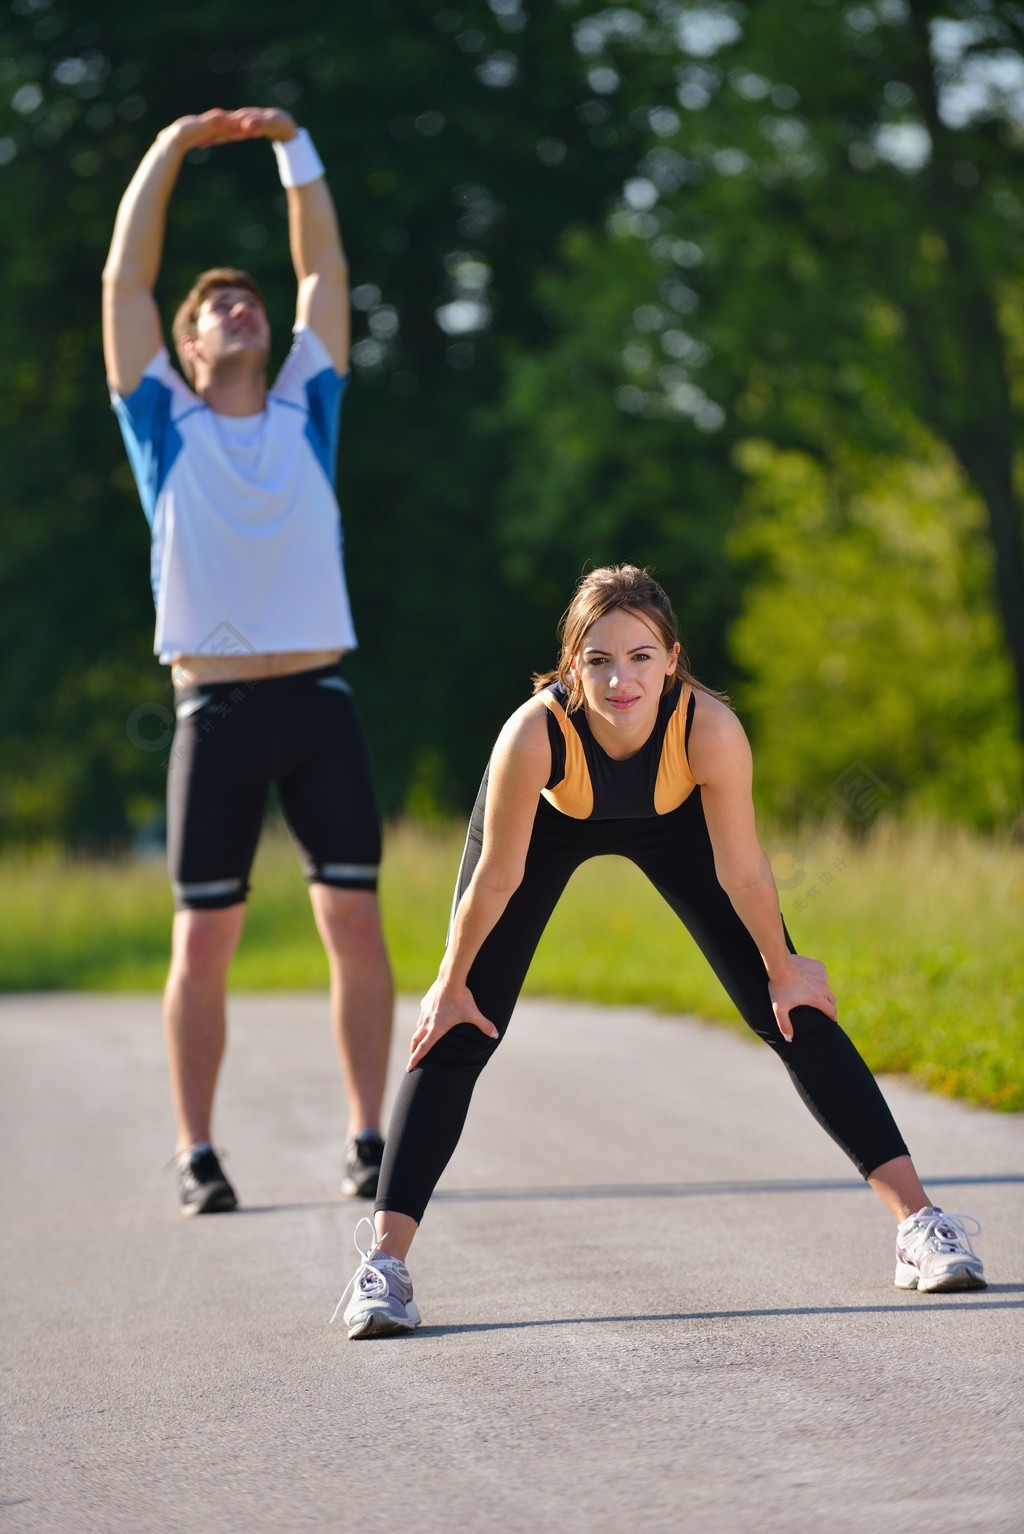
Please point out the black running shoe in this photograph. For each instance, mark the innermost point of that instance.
(362, 1165)
(202, 1186)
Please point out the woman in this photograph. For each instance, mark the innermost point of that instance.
(621, 750)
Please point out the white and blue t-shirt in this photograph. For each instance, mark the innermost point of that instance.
(247, 544)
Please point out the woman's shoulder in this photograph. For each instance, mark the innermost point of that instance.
(527, 727)
(714, 711)
(523, 747)
(716, 734)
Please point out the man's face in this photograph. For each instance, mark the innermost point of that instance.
(231, 326)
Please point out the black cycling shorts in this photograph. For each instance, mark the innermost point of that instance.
(232, 740)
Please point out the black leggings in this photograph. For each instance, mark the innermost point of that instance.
(675, 853)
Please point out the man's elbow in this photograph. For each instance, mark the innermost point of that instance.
(122, 277)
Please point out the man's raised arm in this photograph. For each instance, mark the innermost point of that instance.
(317, 254)
(131, 321)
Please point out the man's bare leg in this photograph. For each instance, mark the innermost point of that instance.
(362, 996)
(203, 943)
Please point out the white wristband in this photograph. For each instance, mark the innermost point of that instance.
(297, 160)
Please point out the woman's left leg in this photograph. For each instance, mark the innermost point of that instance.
(933, 1250)
(822, 1062)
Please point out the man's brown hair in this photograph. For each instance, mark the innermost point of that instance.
(184, 326)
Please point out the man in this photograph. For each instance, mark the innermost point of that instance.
(252, 616)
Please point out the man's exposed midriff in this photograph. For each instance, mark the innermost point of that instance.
(195, 670)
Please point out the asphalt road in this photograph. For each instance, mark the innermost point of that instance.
(655, 1297)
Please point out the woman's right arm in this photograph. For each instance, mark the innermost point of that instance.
(520, 767)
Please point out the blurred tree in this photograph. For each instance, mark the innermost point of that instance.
(853, 172)
(592, 476)
(821, 248)
(886, 656)
(593, 251)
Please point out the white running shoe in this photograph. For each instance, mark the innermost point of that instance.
(381, 1304)
(934, 1252)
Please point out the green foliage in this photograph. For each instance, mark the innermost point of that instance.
(868, 637)
(596, 476)
(682, 226)
(854, 198)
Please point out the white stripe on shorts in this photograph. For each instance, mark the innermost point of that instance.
(365, 871)
(212, 887)
(190, 706)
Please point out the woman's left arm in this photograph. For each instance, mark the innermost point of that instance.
(721, 763)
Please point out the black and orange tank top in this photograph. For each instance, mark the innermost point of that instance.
(588, 784)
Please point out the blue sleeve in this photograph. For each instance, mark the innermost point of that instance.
(323, 398)
(150, 436)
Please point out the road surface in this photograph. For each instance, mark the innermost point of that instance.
(655, 1297)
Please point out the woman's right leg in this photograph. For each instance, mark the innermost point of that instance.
(433, 1100)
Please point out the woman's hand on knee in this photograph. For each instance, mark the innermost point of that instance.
(443, 1008)
(803, 983)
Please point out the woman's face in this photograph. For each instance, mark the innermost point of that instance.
(623, 665)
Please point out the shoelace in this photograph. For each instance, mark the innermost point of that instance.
(366, 1276)
(946, 1232)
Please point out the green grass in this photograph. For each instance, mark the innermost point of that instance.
(98, 925)
(921, 930)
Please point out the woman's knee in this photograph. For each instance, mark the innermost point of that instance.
(464, 1045)
(810, 1025)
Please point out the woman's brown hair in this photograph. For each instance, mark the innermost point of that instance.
(606, 590)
